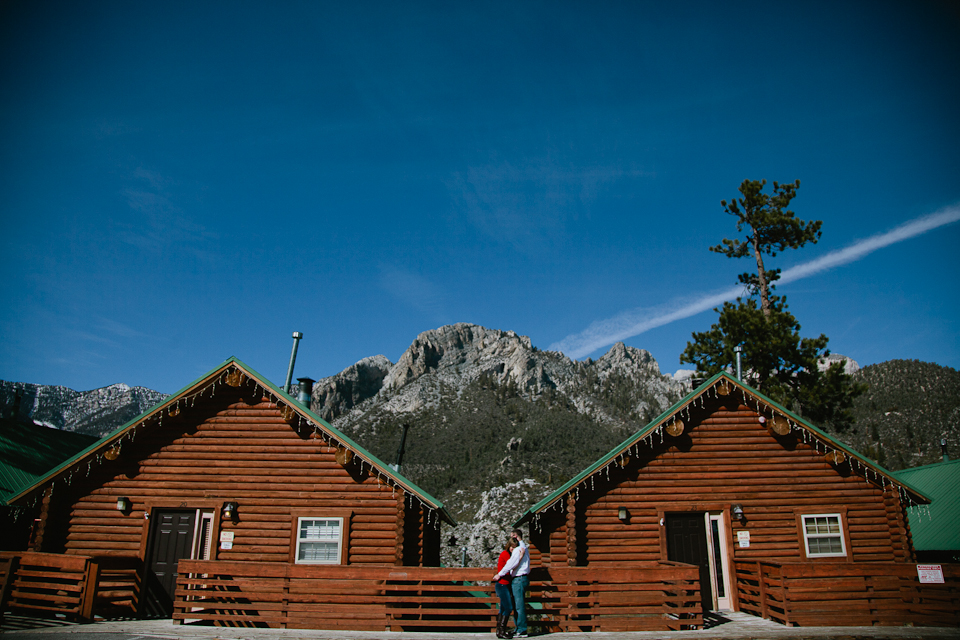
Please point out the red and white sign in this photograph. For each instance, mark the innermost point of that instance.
(931, 573)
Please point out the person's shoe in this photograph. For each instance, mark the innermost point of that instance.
(522, 635)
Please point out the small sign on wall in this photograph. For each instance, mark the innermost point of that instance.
(743, 537)
(226, 540)
(930, 573)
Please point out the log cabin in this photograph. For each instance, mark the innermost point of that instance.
(726, 475)
(228, 468)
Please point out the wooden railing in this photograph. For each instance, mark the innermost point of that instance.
(8, 565)
(847, 594)
(657, 596)
(119, 593)
(49, 583)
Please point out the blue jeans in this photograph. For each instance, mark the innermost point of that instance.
(506, 597)
(519, 587)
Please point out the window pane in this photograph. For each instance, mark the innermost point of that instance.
(825, 544)
(823, 535)
(318, 552)
(319, 529)
(318, 540)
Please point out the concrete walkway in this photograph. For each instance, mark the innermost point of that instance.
(737, 626)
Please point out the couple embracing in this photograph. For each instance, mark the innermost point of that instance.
(511, 582)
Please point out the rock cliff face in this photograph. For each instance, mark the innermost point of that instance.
(96, 412)
(494, 423)
(453, 356)
(336, 395)
(850, 365)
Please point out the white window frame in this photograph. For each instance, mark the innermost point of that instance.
(202, 534)
(839, 534)
(340, 524)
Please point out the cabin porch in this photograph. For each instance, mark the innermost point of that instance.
(659, 596)
(651, 597)
(848, 593)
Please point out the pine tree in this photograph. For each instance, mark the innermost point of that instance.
(778, 362)
(771, 228)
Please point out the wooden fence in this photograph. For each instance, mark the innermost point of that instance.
(48, 584)
(847, 594)
(658, 596)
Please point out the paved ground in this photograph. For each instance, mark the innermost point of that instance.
(737, 626)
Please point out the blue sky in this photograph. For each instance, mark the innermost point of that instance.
(183, 182)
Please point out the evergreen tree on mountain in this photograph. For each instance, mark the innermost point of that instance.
(777, 361)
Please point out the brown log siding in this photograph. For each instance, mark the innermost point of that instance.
(221, 449)
(726, 456)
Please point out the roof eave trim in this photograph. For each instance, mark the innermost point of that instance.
(208, 379)
(657, 422)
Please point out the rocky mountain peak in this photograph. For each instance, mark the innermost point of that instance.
(96, 412)
(636, 364)
(850, 366)
(453, 346)
(335, 395)
(442, 362)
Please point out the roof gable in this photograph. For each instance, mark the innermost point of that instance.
(233, 373)
(672, 421)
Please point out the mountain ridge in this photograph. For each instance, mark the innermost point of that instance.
(495, 424)
(94, 412)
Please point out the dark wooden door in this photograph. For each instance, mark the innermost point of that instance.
(687, 542)
(171, 539)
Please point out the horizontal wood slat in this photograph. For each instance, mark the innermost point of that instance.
(848, 594)
(660, 596)
(49, 583)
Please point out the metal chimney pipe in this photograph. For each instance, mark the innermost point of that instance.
(403, 438)
(293, 360)
(306, 391)
(943, 449)
(739, 350)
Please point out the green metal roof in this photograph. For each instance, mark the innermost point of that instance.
(936, 527)
(28, 451)
(869, 466)
(384, 471)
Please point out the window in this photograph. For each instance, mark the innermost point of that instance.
(203, 535)
(823, 535)
(319, 540)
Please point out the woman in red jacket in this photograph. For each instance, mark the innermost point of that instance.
(504, 592)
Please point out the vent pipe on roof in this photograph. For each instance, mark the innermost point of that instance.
(943, 449)
(306, 391)
(293, 360)
(403, 439)
(739, 350)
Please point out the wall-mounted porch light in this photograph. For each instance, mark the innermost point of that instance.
(229, 510)
(737, 512)
(622, 514)
(123, 503)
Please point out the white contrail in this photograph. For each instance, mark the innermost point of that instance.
(603, 333)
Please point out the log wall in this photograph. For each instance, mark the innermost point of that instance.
(226, 447)
(725, 456)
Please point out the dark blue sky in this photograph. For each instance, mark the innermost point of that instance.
(183, 182)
